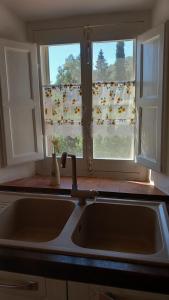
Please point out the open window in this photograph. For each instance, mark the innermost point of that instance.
(150, 98)
(98, 108)
(88, 85)
(113, 104)
(62, 99)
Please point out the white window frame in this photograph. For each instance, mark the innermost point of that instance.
(87, 166)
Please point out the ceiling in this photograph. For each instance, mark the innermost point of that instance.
(30, 10)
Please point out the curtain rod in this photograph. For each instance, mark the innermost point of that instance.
(89, 26)
(110, 24)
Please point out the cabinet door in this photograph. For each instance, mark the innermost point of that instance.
(149, 97)
(84, 291)
(20, 102)
(15, 286)
(56, 289)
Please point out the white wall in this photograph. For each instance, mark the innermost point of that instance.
(159, 15)
(11, 27)
(20, 171)
(160, 12)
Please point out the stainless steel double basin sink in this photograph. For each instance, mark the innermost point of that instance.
(127, 230)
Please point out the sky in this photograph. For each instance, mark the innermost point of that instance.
(58, 54)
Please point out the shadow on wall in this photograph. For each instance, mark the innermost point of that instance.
(11, 27)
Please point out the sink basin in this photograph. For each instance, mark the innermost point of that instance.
(34, 220)
(114, 229)
(119, 227)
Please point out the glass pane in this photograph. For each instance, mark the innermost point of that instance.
(113, 99)
(63, 100)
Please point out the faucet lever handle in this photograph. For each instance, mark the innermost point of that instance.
(63, 159)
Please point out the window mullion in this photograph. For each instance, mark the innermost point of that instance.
(45, 77)
(87, 100)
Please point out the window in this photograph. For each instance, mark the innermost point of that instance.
(89, 101)
(63, 99)
(113, 96)
(113, 99)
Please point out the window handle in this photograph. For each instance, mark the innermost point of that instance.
(30, 286)
(88, 46)
(88, 52)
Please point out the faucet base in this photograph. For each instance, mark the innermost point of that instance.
(83, 195)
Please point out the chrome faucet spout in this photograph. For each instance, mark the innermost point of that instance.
(63, 159)
(82, 195)
(74, 173)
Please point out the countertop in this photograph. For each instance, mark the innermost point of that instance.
(99, 184)
(99, 271)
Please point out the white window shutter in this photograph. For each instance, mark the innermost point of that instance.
(20, 102)
(149, 97)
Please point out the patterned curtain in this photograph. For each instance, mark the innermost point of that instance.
(113, 106)
(62, 104)
(114, 103)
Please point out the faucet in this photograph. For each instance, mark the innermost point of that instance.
(63, 165)
(82, 195)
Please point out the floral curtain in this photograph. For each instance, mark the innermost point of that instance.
(62, 104)
(113, 104)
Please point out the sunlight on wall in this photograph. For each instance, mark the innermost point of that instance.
(150, 178)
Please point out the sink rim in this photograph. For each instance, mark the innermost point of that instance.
(151, 206)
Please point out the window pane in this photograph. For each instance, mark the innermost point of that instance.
(113, 99)
(63, 99)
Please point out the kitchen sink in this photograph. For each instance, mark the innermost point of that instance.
(119, 227)
(114, 229)
(34, 220)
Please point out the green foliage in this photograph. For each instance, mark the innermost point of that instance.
(112, 147)
(104, 146)
(121, 70)
(71, 145)
(102, 73)
(70, 72)
(129, 73)
(120, 50)
(56, 145)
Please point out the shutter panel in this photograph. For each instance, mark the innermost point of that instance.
(149, 97)
(20, 102)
